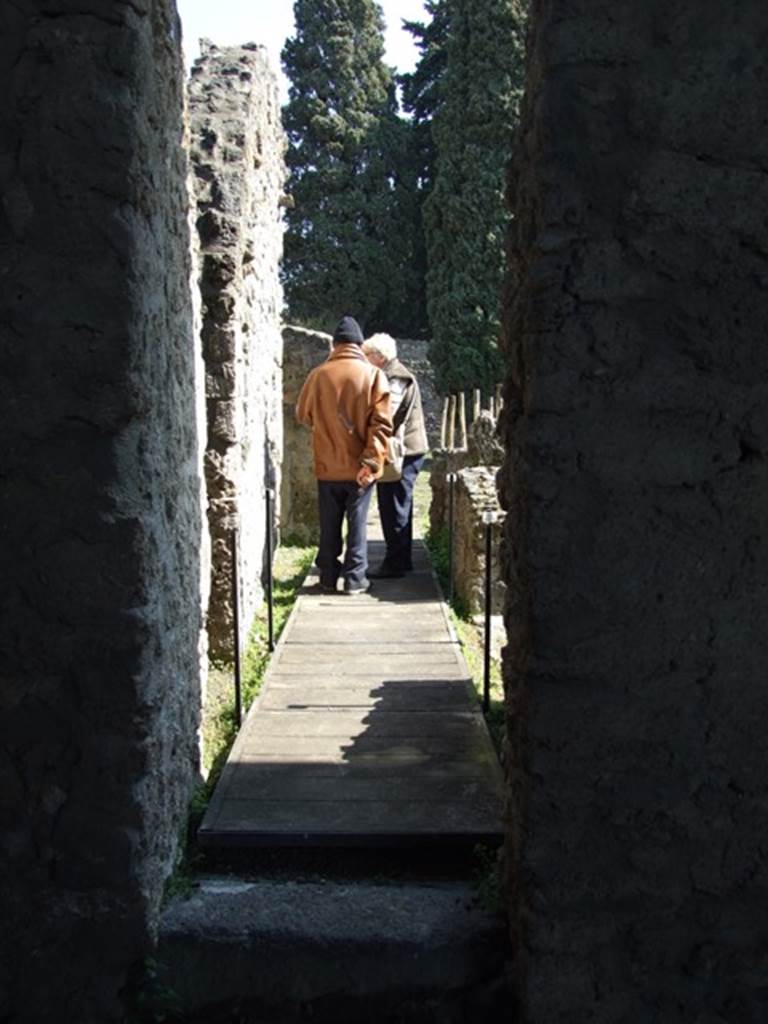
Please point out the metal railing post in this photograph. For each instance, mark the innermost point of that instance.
(270, 600)
(236, 630)
(489, 517)
(451, 482)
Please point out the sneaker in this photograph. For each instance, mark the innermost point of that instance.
(326, 587)
(359, 588)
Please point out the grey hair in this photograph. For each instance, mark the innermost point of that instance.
(383, 345)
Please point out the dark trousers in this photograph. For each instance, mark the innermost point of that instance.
(396, 513)
(335, 500)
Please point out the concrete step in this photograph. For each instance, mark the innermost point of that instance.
(278, 951)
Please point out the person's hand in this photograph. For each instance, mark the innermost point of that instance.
(364, 477)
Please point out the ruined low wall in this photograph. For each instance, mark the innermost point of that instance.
(100, 501)
(475, 492)
(636, 483)
(302, 351)
(237, 157)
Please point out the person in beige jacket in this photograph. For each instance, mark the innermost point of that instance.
(396, 497)
(345, 401)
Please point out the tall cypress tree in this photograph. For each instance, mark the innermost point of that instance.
(422, 91)
(343, 250)
(421, 99)
(465, 214)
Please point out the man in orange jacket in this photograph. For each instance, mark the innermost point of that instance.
(345, 401)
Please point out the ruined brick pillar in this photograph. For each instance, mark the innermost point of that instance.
(100, 498)
(637, 487)
(237, 157)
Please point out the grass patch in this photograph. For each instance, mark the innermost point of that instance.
(219, 723)
(219, 727)
(471, 638)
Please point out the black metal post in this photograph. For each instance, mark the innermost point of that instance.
(236, 631)
(488, 518)
(270, 602)
(451, 478)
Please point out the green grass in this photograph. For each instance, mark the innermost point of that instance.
(471, 638)
(219, 724)
(219, 720)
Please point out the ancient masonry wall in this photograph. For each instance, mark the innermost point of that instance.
(302, 351)
(637, 486)
(100, 499)
(237, 156)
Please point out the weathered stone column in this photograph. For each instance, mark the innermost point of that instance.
(100, 511)
(237, 155)
(637, 488)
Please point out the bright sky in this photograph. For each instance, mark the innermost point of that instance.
(270, 22)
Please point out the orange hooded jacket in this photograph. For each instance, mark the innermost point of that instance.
(345, 401)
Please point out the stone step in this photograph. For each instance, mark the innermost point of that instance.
(330, 951)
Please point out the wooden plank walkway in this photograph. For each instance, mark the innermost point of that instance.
(367, 730)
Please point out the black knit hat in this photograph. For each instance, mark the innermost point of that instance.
(348, 330)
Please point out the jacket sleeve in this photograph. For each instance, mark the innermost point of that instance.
(304, 404)
(406, 406)
(379, 426)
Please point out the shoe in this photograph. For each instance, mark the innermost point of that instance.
(360, 588)
(386, 572)
(327, 588)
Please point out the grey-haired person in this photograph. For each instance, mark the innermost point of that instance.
(395, 498)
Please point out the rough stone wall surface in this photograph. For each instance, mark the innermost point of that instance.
(414, 353)
(302, 351)
(475, 493)
(237, 157)
(100, 499)
(637, 488)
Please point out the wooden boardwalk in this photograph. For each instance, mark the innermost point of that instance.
(367, 730)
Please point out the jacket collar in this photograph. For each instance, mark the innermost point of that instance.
(350, 351)
(395, 368)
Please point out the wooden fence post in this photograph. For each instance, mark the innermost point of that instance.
(463, 421)
(444, 424)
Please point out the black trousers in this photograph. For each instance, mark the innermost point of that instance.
(337, 499)
(396, 513)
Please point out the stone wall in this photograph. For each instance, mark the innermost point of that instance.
(302, 350)
(415, 354)
(637, 488)
(237, 157)
(475, 492)
(100, 500)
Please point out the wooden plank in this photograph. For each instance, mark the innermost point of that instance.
(350, 748)
(373, 817)
(298, 676)
(367, 730)
(361, 788)
(391, 632)
(429, 771)
(363, 724)
(375, 654)
(415, 699)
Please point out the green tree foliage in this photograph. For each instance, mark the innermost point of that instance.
(465, 215)
(421, 88)
(348, 243)
(421, 99)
